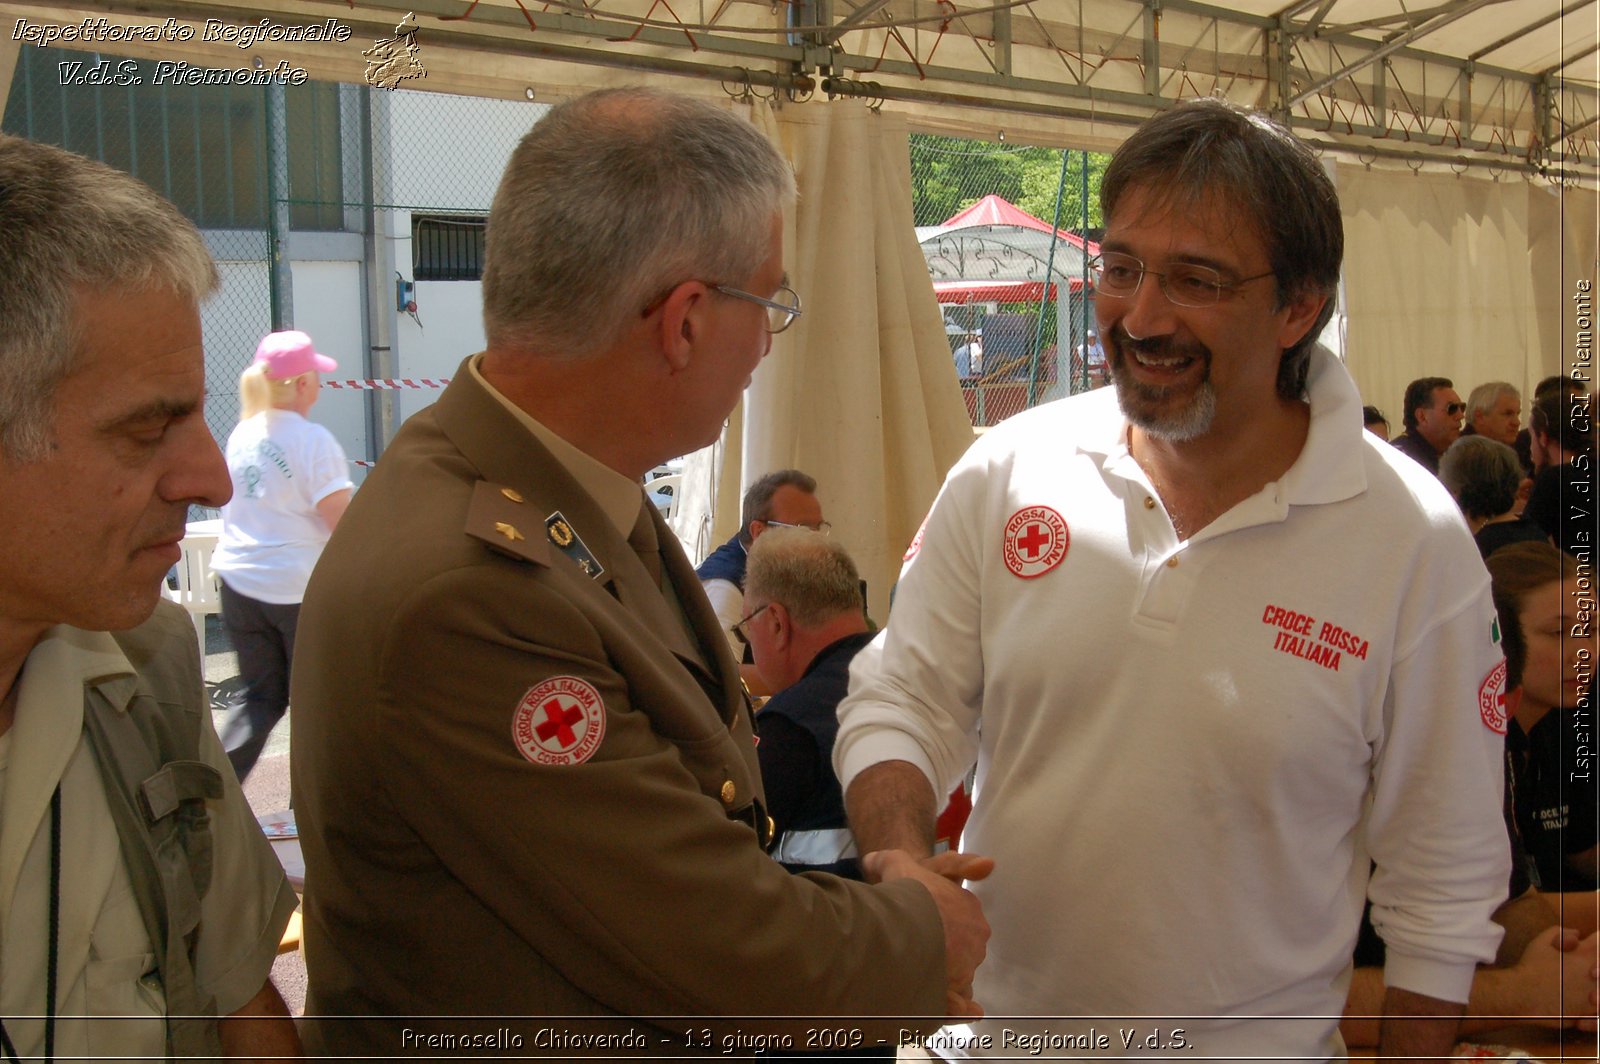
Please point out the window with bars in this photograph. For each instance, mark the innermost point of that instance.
(201, 146)
(447, 247)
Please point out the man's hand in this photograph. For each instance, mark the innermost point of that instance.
(966, 932)
(1554, 980)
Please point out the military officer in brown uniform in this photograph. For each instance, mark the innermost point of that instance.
(524, 766)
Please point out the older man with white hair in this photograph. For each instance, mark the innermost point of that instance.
(805, 624)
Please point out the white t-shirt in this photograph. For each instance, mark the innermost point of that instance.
(282, 466)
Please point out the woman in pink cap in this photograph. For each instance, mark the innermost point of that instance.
(291, 484)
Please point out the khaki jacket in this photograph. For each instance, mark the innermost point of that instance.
(448, 872)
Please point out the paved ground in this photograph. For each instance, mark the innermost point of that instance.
(266, 788)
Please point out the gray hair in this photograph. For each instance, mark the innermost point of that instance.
(1482, 474)
(1485, 396)
(69, 227)
(758, 496)
(810, 574)
(1208, 147)
(611, 200)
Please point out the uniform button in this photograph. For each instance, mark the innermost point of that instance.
(509, 493)
(729, 793)
(1172, 562)
(1149, 503)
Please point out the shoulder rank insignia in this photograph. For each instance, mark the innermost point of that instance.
(568, 542)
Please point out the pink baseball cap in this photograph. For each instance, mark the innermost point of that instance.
(289, 354)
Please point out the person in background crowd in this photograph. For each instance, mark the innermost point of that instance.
(1195, 734)
(1553, 776)
(785, 498)
(1494, 410)
(291, 484)
(1568, 386)
(140, 906)
(805, 625)
(1373, 421)
(525, 771)
(1483, 475)
(1544, 972)
(1432, 419)
(969, 358)
(1564, 496)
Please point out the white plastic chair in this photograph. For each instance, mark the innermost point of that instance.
(199, 590)
(665, 491)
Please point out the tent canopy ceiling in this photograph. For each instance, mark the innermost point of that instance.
(1513, 84)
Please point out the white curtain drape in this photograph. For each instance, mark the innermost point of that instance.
(1461, 277)
(861, 392)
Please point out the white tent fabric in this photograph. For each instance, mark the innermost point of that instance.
(1461, 277)
(861, 392)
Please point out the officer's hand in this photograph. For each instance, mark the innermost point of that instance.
(966, 932)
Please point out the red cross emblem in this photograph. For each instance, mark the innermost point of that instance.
(916, 541)
(559, 722)
(1492, 699)
(1035, 541)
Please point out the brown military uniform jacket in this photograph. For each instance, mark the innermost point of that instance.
(524, 788)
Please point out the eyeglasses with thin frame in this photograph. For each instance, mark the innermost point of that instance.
(821, 526)
(1186, 284)
(1454, 409)
(738, 629)
(780, 314)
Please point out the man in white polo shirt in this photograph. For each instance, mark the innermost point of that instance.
(1216, 652)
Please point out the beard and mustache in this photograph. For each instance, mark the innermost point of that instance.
(1150, 406)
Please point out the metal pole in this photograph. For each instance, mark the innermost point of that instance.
(280, 281)
(1044, 295)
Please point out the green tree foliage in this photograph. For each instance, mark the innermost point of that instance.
(949, 174)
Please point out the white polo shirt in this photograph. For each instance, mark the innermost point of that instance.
(1189, 752)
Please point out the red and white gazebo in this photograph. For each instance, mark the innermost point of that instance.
(996, 252)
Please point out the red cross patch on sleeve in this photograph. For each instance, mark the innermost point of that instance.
(559, 722)
(1492, 699)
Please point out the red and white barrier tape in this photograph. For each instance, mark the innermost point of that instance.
(390, 385)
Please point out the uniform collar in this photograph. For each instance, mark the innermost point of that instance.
(48, 726)
(615, 494)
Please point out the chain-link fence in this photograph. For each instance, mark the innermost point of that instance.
(1007, 232)
(373, 200)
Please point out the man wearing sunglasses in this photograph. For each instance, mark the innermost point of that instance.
(1433, 421)
(1215, 651)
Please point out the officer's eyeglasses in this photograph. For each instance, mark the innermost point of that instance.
(738, 629)
(821, 526)
(1188, 284)
(781, 312)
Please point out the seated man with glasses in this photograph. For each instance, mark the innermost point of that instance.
(1433, 421)
(786, 498)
